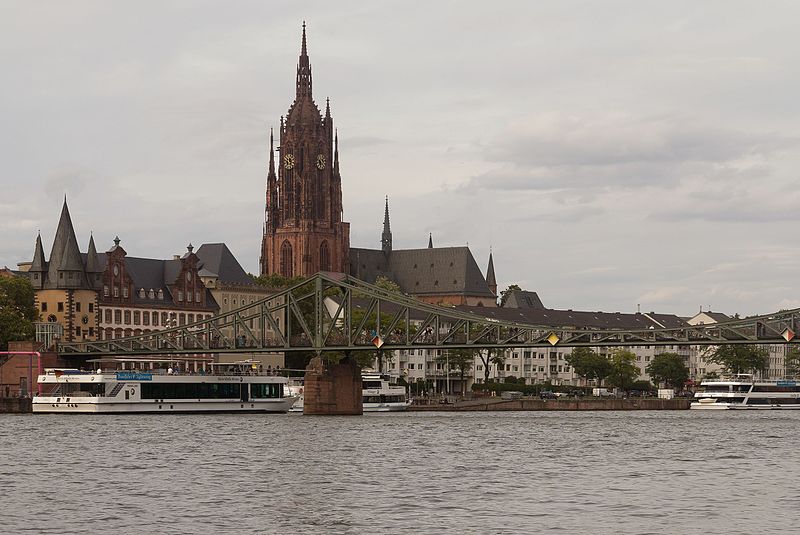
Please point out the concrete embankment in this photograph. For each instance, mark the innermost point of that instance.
(21, 405)
(494, 404)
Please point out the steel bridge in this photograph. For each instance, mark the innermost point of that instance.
(333, 312)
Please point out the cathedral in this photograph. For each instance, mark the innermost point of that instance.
(303, 229)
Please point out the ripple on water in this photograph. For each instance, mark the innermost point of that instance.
(644, 472)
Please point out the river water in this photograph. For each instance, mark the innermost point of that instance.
(521, 472)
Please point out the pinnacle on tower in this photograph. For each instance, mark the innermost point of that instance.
(430, 240)
(303, 69)
(386, 237)
(66, 265)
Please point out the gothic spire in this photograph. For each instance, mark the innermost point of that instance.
(386, 237)
(490, 277)
(336, 152)
(430, 240)
(271, 155)
(328, 108)
(303, 69)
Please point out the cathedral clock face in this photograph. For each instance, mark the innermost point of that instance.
(320, 162)
(288, 161)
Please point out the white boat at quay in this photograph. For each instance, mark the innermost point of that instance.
(232, 387)
(378, 394)
(743, 392)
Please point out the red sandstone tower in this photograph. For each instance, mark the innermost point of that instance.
(303, 229)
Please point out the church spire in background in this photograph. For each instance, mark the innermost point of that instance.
(386, 238)
(490, 277)
(430, 240)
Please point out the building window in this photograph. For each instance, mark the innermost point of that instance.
(197, 296)
(182, 319)
(141, 293)
(77, 329)
(190, 318)
(324, 257)
(164, 319)
(180, 295)
(117, 317)
(60, 307)
(108, 315)
(91, 331)
(161, 294)
(127, 317)
(155, 319)
(44, 307)
(125, 292)
(137, 317)
(116, 291)
(105, 290)
(151, 294)
(78, 306)
(286, 259)
(145, 318)
(91, 307)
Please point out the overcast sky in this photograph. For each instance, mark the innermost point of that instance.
(610, 153)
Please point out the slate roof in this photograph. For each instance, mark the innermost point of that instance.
(216, 258)
(523, 299)
(434, 271)
(575, 318)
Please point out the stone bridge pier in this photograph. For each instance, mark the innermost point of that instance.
(333, 389)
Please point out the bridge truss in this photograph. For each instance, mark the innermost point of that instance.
(333, 312)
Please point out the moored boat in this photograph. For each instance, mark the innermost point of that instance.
(743, 392)
(231, 387)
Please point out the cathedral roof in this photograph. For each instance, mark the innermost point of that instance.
(434, 271)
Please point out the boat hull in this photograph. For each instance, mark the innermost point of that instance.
(100, 406)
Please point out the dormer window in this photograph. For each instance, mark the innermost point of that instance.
(151, 294)
(196, 296)
(161, 294)
(180, 295)
(141, 293)
(116, 291)
(124, 292)
(105, 290)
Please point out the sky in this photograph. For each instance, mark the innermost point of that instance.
(613, 155)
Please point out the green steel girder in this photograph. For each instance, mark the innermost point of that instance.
(317, 315)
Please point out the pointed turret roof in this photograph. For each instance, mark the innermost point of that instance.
(303, 69)
(92, 261)
(430, 240)
(65, 255)
(490, 277)
(38, 264)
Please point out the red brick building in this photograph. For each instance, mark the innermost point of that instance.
(303, 230)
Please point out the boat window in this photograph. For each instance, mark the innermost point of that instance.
(191, 390)
(370, 384)
(266, 390)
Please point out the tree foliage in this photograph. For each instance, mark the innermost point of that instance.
(792, 361)
(461, 360)
(740, 358)
(668, 368)
(488, 358)
(505, 293)
(17, 311)
(589, 364)
(275, 280)
(623, 369)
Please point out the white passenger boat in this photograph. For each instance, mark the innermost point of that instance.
(742, 391)
(234, 387)
(378, 394)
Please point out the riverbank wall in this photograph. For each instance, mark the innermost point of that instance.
(494, 404)
(15, 405)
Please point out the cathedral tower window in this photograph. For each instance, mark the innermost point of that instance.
(324, 257)
(286, 259)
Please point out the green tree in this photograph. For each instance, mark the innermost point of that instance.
(740, 358)
(489, 357)
(275, 280)
(17, 311)
(623, 369)
(792, 361)
(589, 364)
(385, 283)
(668, 368)
(505, 293)
(461, 360)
